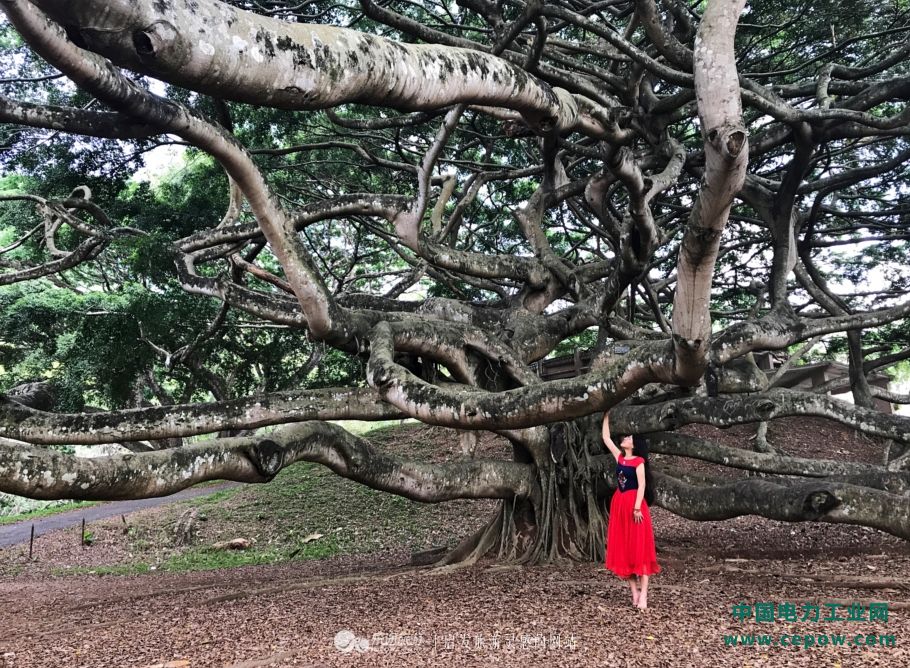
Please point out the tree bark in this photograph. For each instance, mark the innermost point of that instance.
(726, 156)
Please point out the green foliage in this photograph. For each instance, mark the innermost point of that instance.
(902, 372)
(105, 332)
(17, 509)
(76, 340)
(585, 340)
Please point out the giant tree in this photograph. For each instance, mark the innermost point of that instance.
(446, 193)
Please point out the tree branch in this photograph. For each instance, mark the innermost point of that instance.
(158, 422)
(42, 474)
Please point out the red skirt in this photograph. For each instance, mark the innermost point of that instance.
(630, 545)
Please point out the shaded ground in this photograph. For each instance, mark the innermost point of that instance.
(289, 614)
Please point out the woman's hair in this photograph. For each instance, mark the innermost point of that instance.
(640, 449)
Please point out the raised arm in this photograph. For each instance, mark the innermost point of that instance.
(611, 446)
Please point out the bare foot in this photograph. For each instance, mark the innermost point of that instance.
(635, 597)
(642, 602)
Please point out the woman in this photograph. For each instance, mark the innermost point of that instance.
(630, 537)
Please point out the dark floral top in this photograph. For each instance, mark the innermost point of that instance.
(625, 473)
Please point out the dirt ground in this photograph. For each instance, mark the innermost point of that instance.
(376, 610)
(578, 615)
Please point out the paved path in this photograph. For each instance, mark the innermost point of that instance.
(19, 532)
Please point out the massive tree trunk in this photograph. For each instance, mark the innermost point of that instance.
(565, 517)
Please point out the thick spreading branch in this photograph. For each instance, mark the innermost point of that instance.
(44, 474)
(521, 407)
(159, 422)
(726, 156)
(725, 411)
(856, 473)
(233, 54)
(819, 501)
(95, 74)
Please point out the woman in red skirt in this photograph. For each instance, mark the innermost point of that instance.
(630, 537)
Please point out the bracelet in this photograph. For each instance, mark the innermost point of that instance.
(637, 509)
